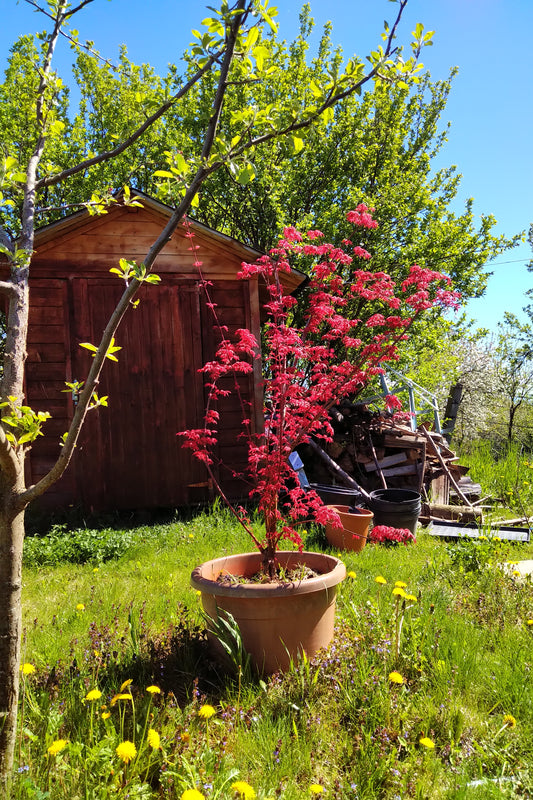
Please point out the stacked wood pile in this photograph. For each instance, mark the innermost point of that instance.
(378, 452)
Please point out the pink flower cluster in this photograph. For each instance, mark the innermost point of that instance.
(385, 534)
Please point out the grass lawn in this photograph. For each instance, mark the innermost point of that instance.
(425, 694)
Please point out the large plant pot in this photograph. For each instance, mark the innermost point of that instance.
(397, 508)
(277, 621)
(353, 532)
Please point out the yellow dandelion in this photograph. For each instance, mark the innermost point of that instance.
(516, 572)
(425, 742)
(243, 789)
(80, 607)
(509, 721)
(530, 622)
(118, 697)
(27, 669)
(352, 574)
(412, 598)
(399, 592)
(400, 585)
(94, 694)
(192, 794)
(106, 714)
(185, 736)
(96, 569)
(57, 746)
(125, 685)
(206, 711)
(395, 677)
(97, 654)
(380, 579)
(153, 689)
(126, 751)
(316, 788)
(154, 740)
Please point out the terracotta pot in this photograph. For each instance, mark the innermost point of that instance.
(276, 620)
(354, 531)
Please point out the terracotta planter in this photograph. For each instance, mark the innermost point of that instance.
(354, 531)
(276, 620)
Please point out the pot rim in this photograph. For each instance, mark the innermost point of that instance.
(356, 511)
(335, 572)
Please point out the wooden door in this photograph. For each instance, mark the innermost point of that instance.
(129, 455)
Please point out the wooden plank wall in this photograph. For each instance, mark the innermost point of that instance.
(128, 454)
(47, 368)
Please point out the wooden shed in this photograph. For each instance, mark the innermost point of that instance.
(129, 456)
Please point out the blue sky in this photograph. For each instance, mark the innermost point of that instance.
(489, 107)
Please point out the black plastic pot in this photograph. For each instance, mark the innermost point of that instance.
(338, 495)
(397, 508)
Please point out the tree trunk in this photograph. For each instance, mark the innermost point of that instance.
(11, 543)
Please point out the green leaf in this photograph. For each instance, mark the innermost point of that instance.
(245, 174)
(260, 53)
(316, 90)
(297, 144)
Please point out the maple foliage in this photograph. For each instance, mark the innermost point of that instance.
(309, 365)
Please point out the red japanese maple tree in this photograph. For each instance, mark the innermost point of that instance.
(311, 361)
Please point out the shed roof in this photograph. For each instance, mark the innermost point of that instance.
(71, 226)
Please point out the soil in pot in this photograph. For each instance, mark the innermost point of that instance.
(278, 620)
(353, 533)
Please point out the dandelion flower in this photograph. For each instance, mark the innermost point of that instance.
(509, 720)
(426, 742)
(185, 736)
(516, 572)
(125, 685)
(94, 694)
(243, 789)
(395, 677)
(399, 592)
(530, 622)
(154, 739)
(412, 598)
(206, 711)
(57, 746)
(192, 794)
(80, 607)
(27, 669)
(380, 579)
(153, 689)
(120, 697)
(400, 585)
(352, 574)
(126, 751)
(316, 788)
(106, 714)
